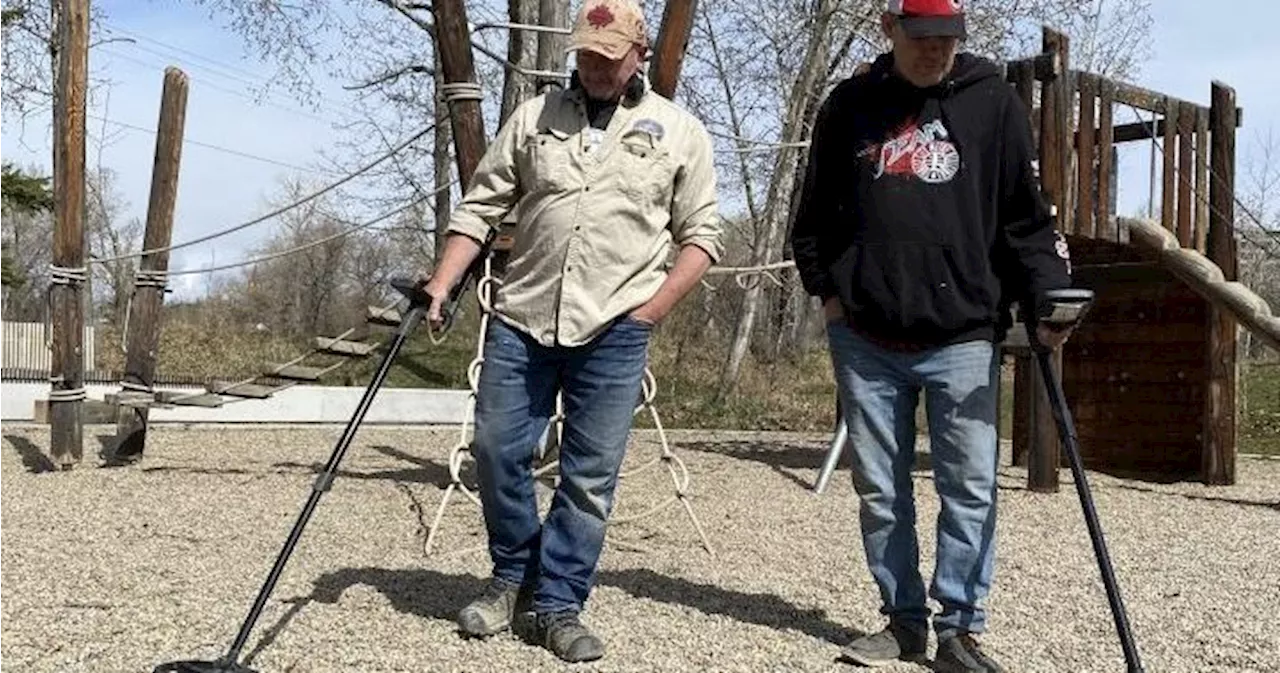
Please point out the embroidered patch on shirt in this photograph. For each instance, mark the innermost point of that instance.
(650, 126)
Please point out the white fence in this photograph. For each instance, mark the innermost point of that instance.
(24, 347)
(299, 404)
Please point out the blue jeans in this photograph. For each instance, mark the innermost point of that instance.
(600, 384)
(879, 390)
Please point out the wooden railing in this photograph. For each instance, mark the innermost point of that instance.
(1074, 115)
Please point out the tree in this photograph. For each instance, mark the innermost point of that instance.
(109, 237)
(1258, 218)
(25, 195)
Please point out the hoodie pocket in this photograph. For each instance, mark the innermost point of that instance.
(913, 290)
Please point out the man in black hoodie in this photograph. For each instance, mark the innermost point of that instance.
(920, 223)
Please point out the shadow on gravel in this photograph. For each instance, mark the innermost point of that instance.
(424, 471)
(436, 595)
(782, 458)
(425, 593)
(762, 609)
(33, 459)
(1202, 498)
(785, 459)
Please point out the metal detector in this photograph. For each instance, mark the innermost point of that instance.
(419, 302)
(1063, 308)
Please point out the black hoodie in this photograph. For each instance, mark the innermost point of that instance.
(921, 208)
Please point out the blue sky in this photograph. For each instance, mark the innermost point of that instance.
(1193, 42)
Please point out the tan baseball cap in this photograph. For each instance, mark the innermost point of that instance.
(609, 28)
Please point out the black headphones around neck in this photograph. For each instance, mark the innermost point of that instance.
(632, 93)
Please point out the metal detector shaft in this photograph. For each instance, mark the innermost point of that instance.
(408, 324)
(1067, 430)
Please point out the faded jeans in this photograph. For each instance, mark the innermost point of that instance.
(879, 390)
(600, 383)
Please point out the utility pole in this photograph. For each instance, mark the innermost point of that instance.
(143, 326)
(67, 274)
(673, 38)
(461, 91)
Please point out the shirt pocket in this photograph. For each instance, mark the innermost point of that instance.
(549, 160)
(645, 173)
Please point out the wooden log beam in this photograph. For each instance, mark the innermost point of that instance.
(1123, 133)
(143, 326)
(67, 394)
(669, 49)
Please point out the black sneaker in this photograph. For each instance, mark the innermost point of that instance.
(961, 654)
(492, 612)
(566, 637)
(900, 640)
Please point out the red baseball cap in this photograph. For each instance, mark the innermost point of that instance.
(930, 18)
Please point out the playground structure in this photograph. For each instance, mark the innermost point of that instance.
(1152, 376)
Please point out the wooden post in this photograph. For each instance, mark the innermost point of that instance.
(1202, 178)
(1169, 176)
(1186, 173)
(551, 46)
(460, 88)
(1044, 456)
(148, 296)
(1023, 387)
(1220, 416)
(1106, 165)
(1086, 183)
(668, 52)
(69, 273)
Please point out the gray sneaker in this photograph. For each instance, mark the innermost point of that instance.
(492, 612)
(961, 654)
(566, 637)
(900, 640)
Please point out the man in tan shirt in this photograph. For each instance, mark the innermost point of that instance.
(604, 179)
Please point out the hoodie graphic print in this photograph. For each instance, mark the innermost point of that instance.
(924, 152)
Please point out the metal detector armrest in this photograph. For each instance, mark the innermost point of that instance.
(1065, 307)
(412, 289)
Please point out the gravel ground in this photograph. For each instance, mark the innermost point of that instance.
(121, 569)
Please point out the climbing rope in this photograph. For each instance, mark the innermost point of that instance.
(462, 450)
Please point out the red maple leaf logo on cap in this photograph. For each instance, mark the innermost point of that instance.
(600, 16)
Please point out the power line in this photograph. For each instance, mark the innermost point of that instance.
(220, 67)
(320, 241)
(233, 92)
(310, 197)
(211, 146)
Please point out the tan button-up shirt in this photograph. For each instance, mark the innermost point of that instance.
(597, 211)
